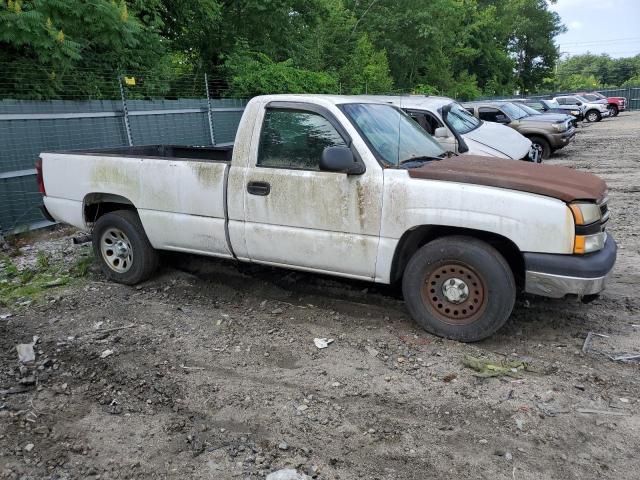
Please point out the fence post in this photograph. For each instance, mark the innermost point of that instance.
(127, 126)
(209, 115)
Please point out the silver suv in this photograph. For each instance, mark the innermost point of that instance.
(592, 111)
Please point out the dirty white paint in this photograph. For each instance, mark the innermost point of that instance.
(347, 225)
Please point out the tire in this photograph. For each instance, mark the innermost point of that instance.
(613, 110)
(593, 116)
(490, 291)
(543, 145)
(123, 249)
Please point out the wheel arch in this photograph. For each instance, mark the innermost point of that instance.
(412, 240)
(96, 204)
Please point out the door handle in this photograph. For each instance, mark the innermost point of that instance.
(259, 188)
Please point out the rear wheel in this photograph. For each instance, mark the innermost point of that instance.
(593, 116)
(543, 146)
(613, 110)
(123, 249)
(460, 288)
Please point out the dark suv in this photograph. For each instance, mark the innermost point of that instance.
(551, 106)
(549, 132)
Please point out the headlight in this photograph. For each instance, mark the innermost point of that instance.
(560, 127)
(575, 112)
(585, 213)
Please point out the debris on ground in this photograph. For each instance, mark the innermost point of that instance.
(106, 353)
(322, 342)
(287, 474)
(486, 368)
(26, 353)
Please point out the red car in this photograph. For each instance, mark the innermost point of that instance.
(614, 104)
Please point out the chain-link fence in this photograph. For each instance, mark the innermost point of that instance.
(94, 110)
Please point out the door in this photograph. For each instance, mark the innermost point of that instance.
(299, 216)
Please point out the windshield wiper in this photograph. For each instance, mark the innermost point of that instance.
(423, 158)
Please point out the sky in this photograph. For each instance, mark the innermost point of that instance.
(599, 26)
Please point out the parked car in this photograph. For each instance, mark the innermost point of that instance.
(547, 134)
(460, 132)
(592, 111)
(550, 106)
(342, 186)
(614, 104)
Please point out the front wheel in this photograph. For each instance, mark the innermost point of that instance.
(593, 116)
(123, 249)
(543, 147)
(460, 288)
(613, 110)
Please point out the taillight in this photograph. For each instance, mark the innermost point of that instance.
(39, 177)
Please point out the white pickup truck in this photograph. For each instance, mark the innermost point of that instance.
(347, 187)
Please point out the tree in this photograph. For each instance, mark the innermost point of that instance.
(51, 48)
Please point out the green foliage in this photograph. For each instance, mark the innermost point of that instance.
(28, 283)
(253, 73)
(54, 48)
(590, 71)
(632, 82)
(366, 70)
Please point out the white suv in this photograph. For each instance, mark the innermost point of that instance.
(592, 111)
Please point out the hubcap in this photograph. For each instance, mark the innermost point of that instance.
(455, 290)
(454, 293)
(116, 250)
(593, 117)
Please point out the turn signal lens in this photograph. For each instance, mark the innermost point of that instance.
(589, 243)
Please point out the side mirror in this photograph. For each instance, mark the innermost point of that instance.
(502, 118)
(441, 132)
(579, 103)
(340, 159)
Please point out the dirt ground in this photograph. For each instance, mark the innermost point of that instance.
(209, 371)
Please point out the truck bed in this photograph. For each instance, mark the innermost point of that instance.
(168, 152)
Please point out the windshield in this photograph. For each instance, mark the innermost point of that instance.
(513, 111)
(527, 109)
(461, 120)
(392, 134)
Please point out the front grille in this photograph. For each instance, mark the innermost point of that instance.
(604, 211)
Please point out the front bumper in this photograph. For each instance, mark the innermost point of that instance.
(560, 140)
(556, 276)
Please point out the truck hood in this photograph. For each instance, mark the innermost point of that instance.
(547, 118)
(496, 139)
(562, 183)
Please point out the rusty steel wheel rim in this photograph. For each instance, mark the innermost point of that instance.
(454, 293)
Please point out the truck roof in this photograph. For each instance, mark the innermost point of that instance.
(415, 101)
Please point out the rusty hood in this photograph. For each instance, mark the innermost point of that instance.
(563, 183)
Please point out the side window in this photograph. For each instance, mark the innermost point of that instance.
(295, 139)
(488, 114)
(571, 101)
(427, 121)
(562, 101)
(536, 106)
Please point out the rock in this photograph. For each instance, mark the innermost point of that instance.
(302, 408)
(106, 353)
(277, 311)
(28, 447)
(322, 342)
(287, 474)
(283, 445)
(508, 456)
(372, 351)
(483, 441)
